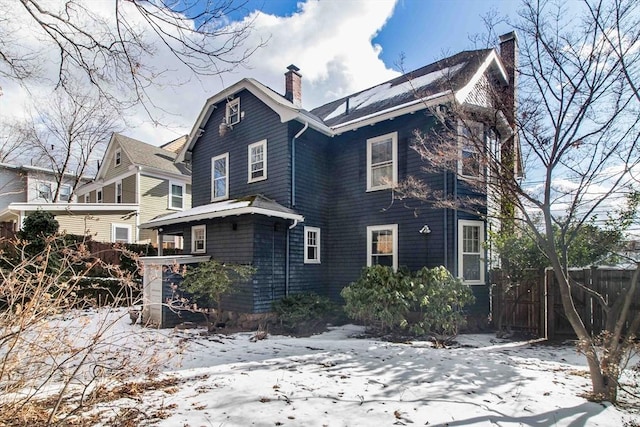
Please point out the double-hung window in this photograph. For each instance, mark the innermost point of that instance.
(198, 239)
(382, 245)
(119, 192)
(65, 193)
(44, 191)
(121, 233)
(220, 177)
(258, 161)
(176, 196)
(99, 196)
(117, 157)
(470, 251)
(382, 162)
(470, 140)
(311, 245)
(232, 115)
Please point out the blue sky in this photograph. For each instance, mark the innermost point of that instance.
(340, 46)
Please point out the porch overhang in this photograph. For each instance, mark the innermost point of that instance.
(254, 205)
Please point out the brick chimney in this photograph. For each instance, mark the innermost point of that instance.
(293, 85)
(509, 55)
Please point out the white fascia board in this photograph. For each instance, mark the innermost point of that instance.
(222, 214)
(393, 112)
(492, 58)
(173, 259)
(157, 173)
(107, 154)
(73, 207)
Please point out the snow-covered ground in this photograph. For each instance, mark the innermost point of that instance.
(336, 379)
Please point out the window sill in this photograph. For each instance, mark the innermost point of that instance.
(256, 180)
(312, 262)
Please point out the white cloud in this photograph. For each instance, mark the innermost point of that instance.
(330, 41)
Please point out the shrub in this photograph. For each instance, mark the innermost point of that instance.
(305, 312)
(380, 297)
(212, 280)
(439, 298)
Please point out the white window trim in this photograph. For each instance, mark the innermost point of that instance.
(113, 231)
(227, 114)
(394, 230)
(87, 198)
(394, 160)
(170, 198)
(49, 196)
(462, 144)
(224, 156)
(100, 192)
(308, 260)
(262, 143)
(194, 229)
(117, 158)
(118, 184)
(461, 224)
(60, 193)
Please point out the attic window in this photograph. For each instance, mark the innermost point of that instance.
(117, 157)
(233, 112)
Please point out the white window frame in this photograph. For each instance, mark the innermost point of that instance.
(118, 191)
(214, 197)
(262, 144)
(117, 157)
(171, 197)
(481, 252)
(194, 230)
(394, 161)
(308, 244)
(394, 236)
(466, 146)
(99, 195)
(40, 188)
(232, 117)
(87, 198)
(114, 226)
(60, 193)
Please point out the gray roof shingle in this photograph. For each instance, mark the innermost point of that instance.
(146, 155)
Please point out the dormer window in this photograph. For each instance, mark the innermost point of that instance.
(117, 157)
(233, 112)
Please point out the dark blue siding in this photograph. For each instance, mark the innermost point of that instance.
(259, 123)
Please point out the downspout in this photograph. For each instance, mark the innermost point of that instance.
(293, 163)
(286, 279)
(446, 234)
(455, 225)
(293, 203)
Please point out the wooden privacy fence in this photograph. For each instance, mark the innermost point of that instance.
(534, 307)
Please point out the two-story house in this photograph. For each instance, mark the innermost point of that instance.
(24, 188)
(145, 178)
(306, 197)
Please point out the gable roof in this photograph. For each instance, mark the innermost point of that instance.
(451, 77)
(256, 205)
(286, 109)
(143, 155)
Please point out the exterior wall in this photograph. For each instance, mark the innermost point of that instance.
(259, 122)
(13, 187)
(109, 193)
(98, 226)
(113, 171)
(129, 189)
(34, 178)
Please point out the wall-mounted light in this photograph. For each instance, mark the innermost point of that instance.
(425, 229)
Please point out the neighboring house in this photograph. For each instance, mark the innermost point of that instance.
(21, 186)
(306, 196)
(145, 177)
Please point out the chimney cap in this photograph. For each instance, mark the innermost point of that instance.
(509, 36)
(293, 68)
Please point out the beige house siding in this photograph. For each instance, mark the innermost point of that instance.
(99, 227)
(109, 193)
(113, 171)
(129, 189)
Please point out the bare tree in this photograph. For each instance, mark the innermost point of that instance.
(12, 147)
(112, 45)
(578, 124)
(67, 134)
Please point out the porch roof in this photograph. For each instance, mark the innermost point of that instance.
(252, 205)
